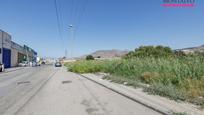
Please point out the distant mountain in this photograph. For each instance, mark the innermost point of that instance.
(192, 49)
(107, 53)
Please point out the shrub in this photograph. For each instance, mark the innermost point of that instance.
(89, 57)
(181, 113)
(148, 77)
(166, 90)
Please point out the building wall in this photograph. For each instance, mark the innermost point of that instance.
(13, 52)
(31, 53)
(17, 54)
(18, 47)
(1, 46)
(5, 49)
(14, 57)
(21, 57)
(6, 41)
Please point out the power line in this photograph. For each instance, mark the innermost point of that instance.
(77, 11)
(84, 5)
(59, 22)
(61, 16)
(72, 8)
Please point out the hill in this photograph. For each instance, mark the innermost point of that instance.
(192, 49)
(107, 53)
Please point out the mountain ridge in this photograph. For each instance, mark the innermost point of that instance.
(192, 49)
(113, 53)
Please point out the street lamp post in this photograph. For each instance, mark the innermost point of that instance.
(71, 38)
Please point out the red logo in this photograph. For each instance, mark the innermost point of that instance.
(178, 3)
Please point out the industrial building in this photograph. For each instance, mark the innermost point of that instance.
(12, 53)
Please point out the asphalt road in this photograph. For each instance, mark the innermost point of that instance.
(54, 91)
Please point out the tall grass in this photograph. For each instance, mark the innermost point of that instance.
(176, 77)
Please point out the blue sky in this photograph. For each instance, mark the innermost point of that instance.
(105, 24)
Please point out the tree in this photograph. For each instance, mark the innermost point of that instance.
(89, 57)
(151, 51)
(129, 55)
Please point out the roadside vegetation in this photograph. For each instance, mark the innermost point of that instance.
(179, 114)
(164, 72)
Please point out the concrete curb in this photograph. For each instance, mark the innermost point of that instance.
(13, 70)
(156, 103)
(124, 93)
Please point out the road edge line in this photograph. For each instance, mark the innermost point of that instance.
(11, 70)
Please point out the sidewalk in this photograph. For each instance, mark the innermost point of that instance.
(155, 102)
(12, 69)
(67, 93)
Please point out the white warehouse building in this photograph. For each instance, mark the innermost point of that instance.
(12, 53)
(5, 49)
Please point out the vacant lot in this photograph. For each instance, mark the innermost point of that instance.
(158, 69)
(176, 78)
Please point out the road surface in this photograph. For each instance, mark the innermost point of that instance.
(48, 90)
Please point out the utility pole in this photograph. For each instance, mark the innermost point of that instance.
(27, 55)
(71, 40)
(65, 53)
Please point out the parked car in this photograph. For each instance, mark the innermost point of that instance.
(1, 67)
(43, 63)
(58, 64)
(23, 64)
(38, 64)
(34, 64)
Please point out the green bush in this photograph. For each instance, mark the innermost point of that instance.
(169, 91)
(151, 51)
(89, 57)
(181, 113)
